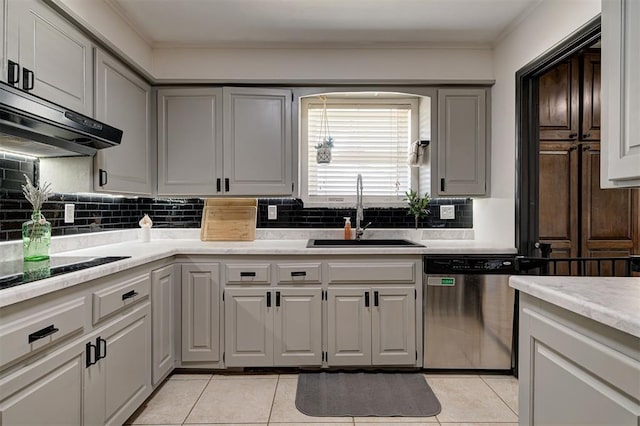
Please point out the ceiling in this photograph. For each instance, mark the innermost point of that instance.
(330, 23)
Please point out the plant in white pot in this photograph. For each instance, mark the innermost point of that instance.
(417, 205)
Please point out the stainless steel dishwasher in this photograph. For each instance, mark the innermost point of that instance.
(468, 312)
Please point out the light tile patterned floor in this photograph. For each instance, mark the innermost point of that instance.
(205, 399)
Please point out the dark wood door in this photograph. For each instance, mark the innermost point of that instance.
(558, 198)
(559, 102)
(590, 103)
(610, 217)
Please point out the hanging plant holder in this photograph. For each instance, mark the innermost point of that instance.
(325, 141)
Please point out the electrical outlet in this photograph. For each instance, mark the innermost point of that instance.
(272, 212)
(69, 213)
(447, 212)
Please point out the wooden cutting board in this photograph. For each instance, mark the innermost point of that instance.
(229, 219)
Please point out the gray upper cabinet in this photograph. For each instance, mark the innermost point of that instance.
(620, 161)
(461, 148)
(257, 141)
(54, 57)
(224, 141)
(123, 100)
(190, 141)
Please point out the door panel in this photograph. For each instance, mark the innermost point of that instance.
(349, 323)
(393, 332)
(559, 97)
(163, 281)
(591, 97)
(248, 328)
(298, 327)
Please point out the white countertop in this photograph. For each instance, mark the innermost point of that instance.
(611, 301)
(166, 244)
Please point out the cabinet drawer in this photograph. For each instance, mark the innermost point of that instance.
(110, 300)
(365, 272)
(21, 337)
(292, 273)
(248, 273)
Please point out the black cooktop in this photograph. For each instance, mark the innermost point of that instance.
(17, 272)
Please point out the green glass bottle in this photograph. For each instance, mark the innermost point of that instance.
(36, 238)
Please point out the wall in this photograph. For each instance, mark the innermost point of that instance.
(96, 212)
(546, 25)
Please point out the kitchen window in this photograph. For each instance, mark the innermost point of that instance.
(372, 136)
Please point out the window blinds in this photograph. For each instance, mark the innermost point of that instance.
(372, 140)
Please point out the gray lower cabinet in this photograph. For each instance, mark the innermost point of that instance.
(163, 283)
(201, 312)
(574, 370)
(53, 56)
(120, 380)
(48, 391)
(123, 100)
(273, 327)
(461, 156)
(371, 326)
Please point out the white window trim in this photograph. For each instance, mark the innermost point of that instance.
(350, 201)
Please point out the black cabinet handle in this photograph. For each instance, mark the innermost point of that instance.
(268, 299)
(299, 274)
(376, 301)
(218, 185)
(247, 274)
(226, 184)
(27, 79)
(129, 295)
(90, 353)
(366, 299)
(102, 348)
(573, 135)
(13, 72)
(41, 334)
(102, 179)
(586, 135)
(277, 299)
(442, 184)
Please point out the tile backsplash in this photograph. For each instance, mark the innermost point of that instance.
(95, 212)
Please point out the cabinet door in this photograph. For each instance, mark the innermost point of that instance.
(610, 217)
(163, 281)
(298, 327)
(620, 94)
(123, 100)
(58, 54)
(248, 327)
(591, 97)
(349, 323)
(558, 207)
(462, 138)
(190, 141)
(201, 312)
(45, 392)
(559, 102)
(393, 326)
(120, 381)
(257, 141)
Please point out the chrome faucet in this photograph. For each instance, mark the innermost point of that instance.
(359, 209)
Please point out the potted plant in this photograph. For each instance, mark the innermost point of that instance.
(417, 205)
(323, 150)
(36, 233)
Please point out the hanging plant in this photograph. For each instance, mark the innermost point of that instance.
(325, 141)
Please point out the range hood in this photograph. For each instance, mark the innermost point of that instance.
(33, 126)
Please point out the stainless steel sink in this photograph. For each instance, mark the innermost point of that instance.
(328, 243)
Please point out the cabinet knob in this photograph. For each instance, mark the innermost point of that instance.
(586, 135)
(573, 135)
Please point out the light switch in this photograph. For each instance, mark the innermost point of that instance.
(69, 213)
(447, 212)
(272, 212)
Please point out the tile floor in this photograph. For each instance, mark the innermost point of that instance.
(206, 399)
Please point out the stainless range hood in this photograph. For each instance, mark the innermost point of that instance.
(33, 126)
